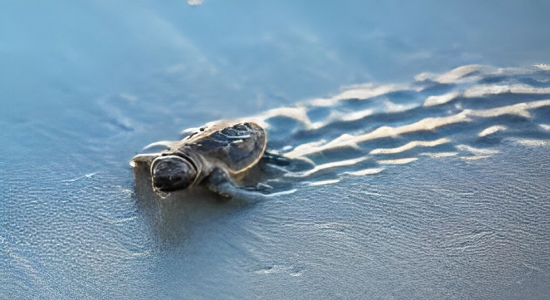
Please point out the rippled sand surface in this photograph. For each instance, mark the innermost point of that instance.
(433, 189)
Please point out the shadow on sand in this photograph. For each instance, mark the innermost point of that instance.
(172, 219)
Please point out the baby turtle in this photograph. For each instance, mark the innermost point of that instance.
(216, 156)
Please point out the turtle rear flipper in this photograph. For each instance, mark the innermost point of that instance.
(275, 159)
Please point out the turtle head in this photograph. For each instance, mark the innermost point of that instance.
(171, 173)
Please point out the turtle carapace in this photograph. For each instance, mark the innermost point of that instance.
(216, 156)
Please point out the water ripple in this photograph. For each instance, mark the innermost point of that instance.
(419, 120)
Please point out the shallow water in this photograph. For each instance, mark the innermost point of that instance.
(417, 171)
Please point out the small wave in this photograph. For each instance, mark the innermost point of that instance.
(531, 142)
(410, 146)
(331, 165)
(458, 74)
(324, 182)
(496, 89)
(440, 99)
(491, 130)
(295, 113)
(364, 172)
(363, 92)
(474, 150)
(400, 161)
(440, 154)
(543, 67)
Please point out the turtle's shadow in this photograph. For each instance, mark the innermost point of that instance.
(172, 219)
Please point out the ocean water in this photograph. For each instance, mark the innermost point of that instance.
(417, 138)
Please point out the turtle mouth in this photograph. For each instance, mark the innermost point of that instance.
(171, 173)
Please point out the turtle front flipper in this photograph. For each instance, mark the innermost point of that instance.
(220, 183)
(143, 159)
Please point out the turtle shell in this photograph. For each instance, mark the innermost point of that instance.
(236, 144)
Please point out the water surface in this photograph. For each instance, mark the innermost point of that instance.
(418, 136)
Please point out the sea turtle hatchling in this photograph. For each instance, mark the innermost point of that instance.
(216, 156)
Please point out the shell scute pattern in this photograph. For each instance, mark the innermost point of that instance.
(237, 145)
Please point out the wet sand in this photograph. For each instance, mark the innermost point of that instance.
(417, 170)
